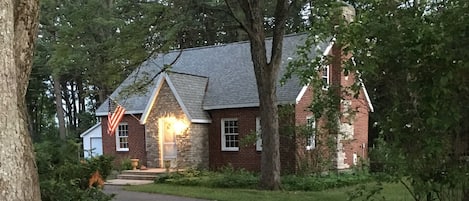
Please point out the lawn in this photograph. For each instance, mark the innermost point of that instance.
(394, 192)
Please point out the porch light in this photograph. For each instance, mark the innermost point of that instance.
(179, 127)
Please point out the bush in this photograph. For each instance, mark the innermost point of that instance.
(186, 178)
(126, 164)
(234, 178)
(238, 178)
(63, 176)
(227, 178)
(319, 183)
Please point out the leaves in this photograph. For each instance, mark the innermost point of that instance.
(414, 60)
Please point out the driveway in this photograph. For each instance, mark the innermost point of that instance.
(122, 195)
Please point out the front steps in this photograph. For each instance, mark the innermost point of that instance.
(136, 177)
(149, 174)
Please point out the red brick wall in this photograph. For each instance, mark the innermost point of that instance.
(360, 109)
(360, 136)
(301, 109)
(310, 160)
(247, 157)
(136, 140)
(360, 120)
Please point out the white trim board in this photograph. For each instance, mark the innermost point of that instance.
(90, 129)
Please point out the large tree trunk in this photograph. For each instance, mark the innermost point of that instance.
(18, 173)
(266, 77)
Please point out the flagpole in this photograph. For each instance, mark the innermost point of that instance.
(115, 102)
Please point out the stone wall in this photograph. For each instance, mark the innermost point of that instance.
(192, 143)
(199, 152)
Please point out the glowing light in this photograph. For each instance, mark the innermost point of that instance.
(179, 126)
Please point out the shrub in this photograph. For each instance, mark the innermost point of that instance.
(229, 177)
(234, 178)
(63, 176)
(318, 183)
(101, 163)
(126, 164)
(189, 177)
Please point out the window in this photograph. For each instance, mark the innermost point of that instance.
(122, 137)
(229, 135)
(258, 134)
(311, 139)
(325, 77)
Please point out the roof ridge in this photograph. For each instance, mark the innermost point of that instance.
(170, 71)
(223, 44)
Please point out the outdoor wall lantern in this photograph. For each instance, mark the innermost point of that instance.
(179, 127)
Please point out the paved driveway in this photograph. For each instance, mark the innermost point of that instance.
(122, 195)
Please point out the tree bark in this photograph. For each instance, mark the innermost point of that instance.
(266, 73)
(18, 172)
(59, 107)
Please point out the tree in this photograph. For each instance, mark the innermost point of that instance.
(18, 173)
(85, 54)
(413, 57)
(250, 15)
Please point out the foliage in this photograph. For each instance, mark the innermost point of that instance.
(391, 191)
(326, 105)
(232, 178)
(413, 57)
(228, 177)
(63, 176)
(126, 164)
(323, 182)
(317, 160)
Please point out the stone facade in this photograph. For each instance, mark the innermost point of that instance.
(192, 142)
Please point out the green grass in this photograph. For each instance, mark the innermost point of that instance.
(395, 192)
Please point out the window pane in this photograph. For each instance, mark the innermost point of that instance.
(230, 134)
(123, 135)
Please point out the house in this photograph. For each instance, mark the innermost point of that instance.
(200, 112)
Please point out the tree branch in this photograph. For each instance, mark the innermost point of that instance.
(240, 22)
(280, 15)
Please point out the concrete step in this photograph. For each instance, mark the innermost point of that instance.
(143, 172)
(136, 177)
(125, 182)
(148, 175)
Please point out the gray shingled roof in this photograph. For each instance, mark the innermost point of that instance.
(191, 90)
(229, 69)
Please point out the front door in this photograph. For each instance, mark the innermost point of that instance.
(169, 148)
(96, 144)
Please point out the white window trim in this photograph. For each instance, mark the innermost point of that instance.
(258, 134)
(223, 139)
(327, 77)
(118, 148)
(311, 140)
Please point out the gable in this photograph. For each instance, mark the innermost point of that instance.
(94, 131)
(188, 93)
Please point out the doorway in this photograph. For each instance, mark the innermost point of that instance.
(168, 142)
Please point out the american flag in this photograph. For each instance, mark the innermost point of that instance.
(113, 119)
